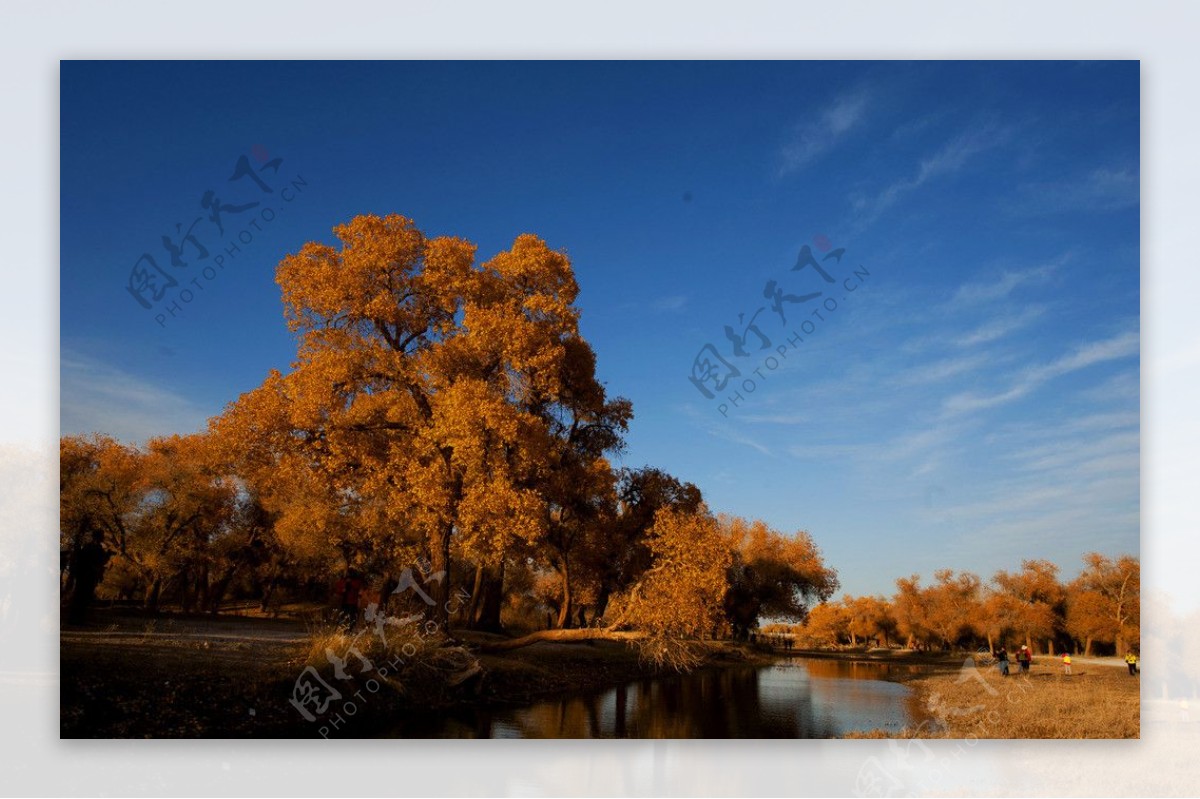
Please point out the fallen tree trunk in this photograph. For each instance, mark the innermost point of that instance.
(577, 634)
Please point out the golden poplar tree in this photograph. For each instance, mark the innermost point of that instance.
(431, 400)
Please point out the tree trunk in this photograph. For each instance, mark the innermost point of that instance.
(216, 593)
(187, 596)
(564, 610)
(602, 605)
(203, 589)
(469, 616)
(152, 594)
(439, 591)
(269, 591)
(1087, 648)
(1050, 647)
(492, 600)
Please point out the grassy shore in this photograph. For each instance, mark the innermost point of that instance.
(1099, 700)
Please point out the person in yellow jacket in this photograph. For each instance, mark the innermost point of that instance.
(1131, 660)
(1066, 662)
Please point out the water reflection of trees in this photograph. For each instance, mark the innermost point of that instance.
(795, 699)
(725, 703)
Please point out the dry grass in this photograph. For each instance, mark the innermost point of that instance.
(1097, 701)
(413, 660)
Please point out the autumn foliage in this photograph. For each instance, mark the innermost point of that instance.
(1028, 607)
(442, 417)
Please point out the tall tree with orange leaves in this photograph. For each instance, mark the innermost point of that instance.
(954, 605)
(1103, 603)
(910, 606)
(676, 598)
(158, 508)
(772, 574)
(431, 400)
(1032, 601)
(826, 626)
(870, 617)
(618, 553)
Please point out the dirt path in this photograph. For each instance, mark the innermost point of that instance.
(251, 636)
(192, 679)
(1114, 662)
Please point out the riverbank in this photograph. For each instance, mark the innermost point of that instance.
(905, 657)
(1098, 700)
(548, 669)
(127, 677)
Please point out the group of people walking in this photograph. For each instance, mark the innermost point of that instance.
(1024, 657)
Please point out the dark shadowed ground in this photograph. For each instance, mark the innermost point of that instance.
(130, 677)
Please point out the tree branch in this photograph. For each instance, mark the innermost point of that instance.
(576, 634)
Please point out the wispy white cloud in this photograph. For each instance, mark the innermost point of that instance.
(1071, 525)
(97, 397)
(845, 451)
(725, 430)
(812, 139)
(791, 418)
(918, 125)
(926, 442)
(1122, 345)
(1028, 436)
(1113, 452)
(1069, 476)
(952, 157)
(1119, 346)
(943, 369)
(1124, 385)
(1001, 286)
(1105, 189)
(738, 438)
(1000, 327)
(1114, 420)
(673, 302)
(1091, 505)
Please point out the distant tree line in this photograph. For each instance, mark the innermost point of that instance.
(1098, 610)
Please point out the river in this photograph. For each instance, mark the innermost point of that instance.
(792, 698)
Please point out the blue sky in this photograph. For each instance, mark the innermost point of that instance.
(972, 402)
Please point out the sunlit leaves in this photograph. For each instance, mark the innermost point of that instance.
(1103, 604)
(432, 397)
(680, 595)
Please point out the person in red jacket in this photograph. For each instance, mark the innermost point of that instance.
(1023, 659)
(348, 590)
